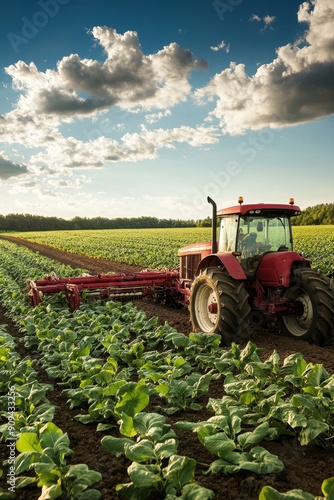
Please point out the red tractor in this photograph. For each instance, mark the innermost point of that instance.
(250, 274)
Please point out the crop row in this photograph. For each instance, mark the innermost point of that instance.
(34, 444)
(157, 248)
(113, 362)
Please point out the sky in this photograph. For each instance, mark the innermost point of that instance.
(144, 108)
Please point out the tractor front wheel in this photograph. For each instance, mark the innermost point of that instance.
(314, 300)
(219, 304)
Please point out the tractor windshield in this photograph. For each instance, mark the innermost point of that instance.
(254, 235)
(257, 235)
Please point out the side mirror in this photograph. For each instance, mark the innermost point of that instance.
(259, 227)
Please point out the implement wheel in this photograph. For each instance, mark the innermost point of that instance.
(219, 304)
(314, 297)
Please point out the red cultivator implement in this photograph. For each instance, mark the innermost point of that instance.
(119, 286)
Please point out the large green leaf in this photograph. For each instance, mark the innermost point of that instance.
(112, 388)
(194, 491)
(48, 473)
(144, 476)
(28, 441)
(24, 481)
(225, 466)
(42, 413)
(250, 438)
(313, 429)
(259, 460)
(165, 449)
(132, 399)
(114, 445)
(25, 459)
(80, 477)
(140, 452)
(49, 434)
(150, 425)
(219, 443)
(180, 471)
(126, 425)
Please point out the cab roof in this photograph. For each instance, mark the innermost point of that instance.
(259, 209)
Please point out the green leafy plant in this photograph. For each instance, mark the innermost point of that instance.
(45, 452)
(155, 466)
(296, 397)
(182, 394)
(225, 437)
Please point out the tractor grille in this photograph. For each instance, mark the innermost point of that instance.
(188, 265)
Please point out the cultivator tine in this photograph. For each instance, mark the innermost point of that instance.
(33, 293)
(72, 296)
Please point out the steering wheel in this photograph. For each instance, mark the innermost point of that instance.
(282, 248)
(263, 247)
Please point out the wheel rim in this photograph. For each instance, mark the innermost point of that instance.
(300, 325)
(206, 308)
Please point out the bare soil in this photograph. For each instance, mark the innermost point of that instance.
(305, 467)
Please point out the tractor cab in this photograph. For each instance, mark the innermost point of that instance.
(251, 231)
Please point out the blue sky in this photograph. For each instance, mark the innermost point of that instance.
(127, 108)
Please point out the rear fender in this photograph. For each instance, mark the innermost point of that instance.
(275, 268)
(227, 260)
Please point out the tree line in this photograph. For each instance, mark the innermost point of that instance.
(319, 214)
(322, 214)
(27, 222)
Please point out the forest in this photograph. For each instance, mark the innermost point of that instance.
(322, 214)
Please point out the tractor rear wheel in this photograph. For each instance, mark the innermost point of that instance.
(219, 304)
(312, 292)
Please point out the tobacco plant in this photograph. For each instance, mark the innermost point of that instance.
(156, 467)
(45, 452)
(226, 437)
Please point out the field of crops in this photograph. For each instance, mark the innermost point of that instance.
(128, 375)
(157, 248)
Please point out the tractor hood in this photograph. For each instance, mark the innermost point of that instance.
(196, 248)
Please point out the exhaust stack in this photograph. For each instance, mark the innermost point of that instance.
(214, 225)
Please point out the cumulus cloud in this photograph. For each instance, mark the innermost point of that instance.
(28, 129)
(296, 87)
(9, 169)
(70, 154)
(127, 78)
